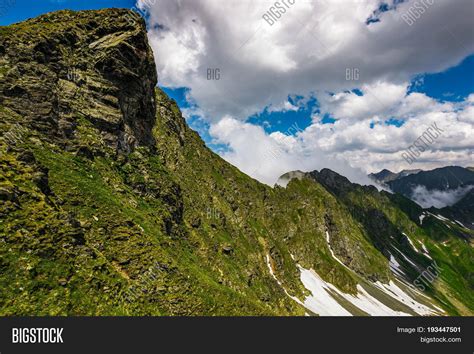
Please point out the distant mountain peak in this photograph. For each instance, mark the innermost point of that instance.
(385, 175)
(284, 179)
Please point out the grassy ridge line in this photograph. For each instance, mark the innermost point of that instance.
(98, 204)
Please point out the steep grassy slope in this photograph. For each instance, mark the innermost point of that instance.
(399, 228)
(111, 205)
(134, 254)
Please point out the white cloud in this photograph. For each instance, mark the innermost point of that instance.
(283, 107)
(436, 198)
(308, 52)
(378, 98)
(268, 156)
(354, 143)
(309, 48)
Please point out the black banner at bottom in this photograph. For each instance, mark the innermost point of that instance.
(246, 334)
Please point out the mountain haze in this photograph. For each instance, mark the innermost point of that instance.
(445, 178)
(446, 190)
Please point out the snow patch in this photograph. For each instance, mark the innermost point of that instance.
(411, 242)
(395, 267)
(441, 217)
(323, 303)
(398, 294)
(425, 251)
(422, 216)
(324, 296)
(269, 265)
(406, 258)
(320, 301)
(270, 268)
(332, 252)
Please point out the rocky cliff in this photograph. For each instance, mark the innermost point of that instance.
(96, 65)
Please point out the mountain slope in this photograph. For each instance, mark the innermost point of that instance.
(112, 205)
(447, 191)
(386, 176)
(462, 211)
(383, 176)
(441, 179)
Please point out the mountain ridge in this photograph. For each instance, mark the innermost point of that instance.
(110, 212)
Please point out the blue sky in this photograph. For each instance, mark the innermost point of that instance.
(20, 10)
(454, 84)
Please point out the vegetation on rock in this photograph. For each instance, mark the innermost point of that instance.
(112, 205)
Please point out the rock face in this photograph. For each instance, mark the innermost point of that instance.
(462, 211)
(442, 179)
(112, 205)
(385, 176)
(64, 66)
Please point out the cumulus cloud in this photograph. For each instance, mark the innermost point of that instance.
(268, 156)
(367, 139)
(352, 147)
(308, 49)
(377, 99)
(436, 198)
(283, 107)
(308, 52)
